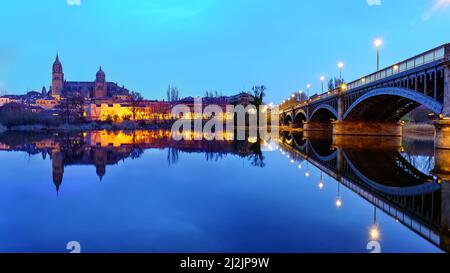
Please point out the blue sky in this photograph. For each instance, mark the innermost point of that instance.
(199, 45)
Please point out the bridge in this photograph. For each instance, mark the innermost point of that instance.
(375, 104)
(383, 177)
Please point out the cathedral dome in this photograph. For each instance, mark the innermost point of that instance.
(100, 76)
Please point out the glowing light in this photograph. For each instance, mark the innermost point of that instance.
(321, 185)
(363, 80)
(292, 161)
(308, 86)
(338, 202)
(395, 67)
(340, 65)
(300, 166)
(378, 43)
(322, 78)
(307, 174)
(252, 139)
(374, 233)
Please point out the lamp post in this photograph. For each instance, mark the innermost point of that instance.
(322, 79)
(308, 86)
(341, 67)
(378, 43)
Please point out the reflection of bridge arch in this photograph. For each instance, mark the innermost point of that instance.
(323, 113)
(389, 104)
(288, 138)
(299, 142)
(424, 188)
(324, 158)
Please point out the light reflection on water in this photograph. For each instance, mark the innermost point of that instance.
(142, 192)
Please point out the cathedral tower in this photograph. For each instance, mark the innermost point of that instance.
(57, 79)
(100, 85)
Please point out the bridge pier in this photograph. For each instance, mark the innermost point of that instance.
(367, 128)
(442, 134)
(317, 126)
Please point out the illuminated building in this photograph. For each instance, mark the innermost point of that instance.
(99, 89)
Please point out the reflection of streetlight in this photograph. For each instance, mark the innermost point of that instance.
(338, 199)
(307, 169)
(321, 185)
(322, 79)
(374, 231)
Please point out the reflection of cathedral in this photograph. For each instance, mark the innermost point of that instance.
(98, 89)
(103, 148)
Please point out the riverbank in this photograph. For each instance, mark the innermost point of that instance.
(419, 131)
(86, 127)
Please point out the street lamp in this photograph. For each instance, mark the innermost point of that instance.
(322, 79)
(308, 86)
(340, 66)
(378, 43)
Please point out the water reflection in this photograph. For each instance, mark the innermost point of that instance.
(398, 176)
(105, 148)
(402, 178)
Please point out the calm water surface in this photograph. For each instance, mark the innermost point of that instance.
(142, 192)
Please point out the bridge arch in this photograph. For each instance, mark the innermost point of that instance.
(389, 104)
(287, 121)
(299, 118)
(323, 113)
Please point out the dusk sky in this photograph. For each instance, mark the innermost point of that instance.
(199, 45)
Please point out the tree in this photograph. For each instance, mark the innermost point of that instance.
(136, 100)
(172, 93)
(168, 93)
(259, 92)
(335, 83)
(301, 96)
(72, 108)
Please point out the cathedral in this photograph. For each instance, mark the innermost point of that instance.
(98, 89)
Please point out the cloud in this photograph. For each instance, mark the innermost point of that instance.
(73, 2)
(438, 5)
(374, 2)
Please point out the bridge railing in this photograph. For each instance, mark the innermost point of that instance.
(414, 62)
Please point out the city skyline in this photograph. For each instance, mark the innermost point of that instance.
(196, 46)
